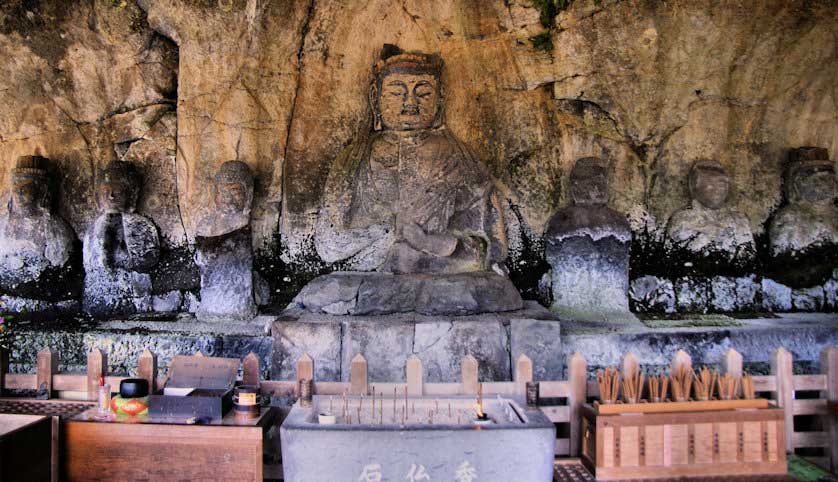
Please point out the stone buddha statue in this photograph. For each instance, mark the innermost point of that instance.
(36, 245)
(408, 200)
(120, 247)
(224, 252)
(588, 247)
(709, 225)
(804, 232)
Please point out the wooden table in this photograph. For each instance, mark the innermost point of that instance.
(146, 449)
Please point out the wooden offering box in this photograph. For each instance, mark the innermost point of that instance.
(688, 439)
(25, 447)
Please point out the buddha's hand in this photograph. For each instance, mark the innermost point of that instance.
(441, 245)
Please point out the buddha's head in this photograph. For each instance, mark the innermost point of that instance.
(589, 182)
(30, 186)
(709, 184)
(233, 189)
(119, 187)
(811, 177)
(406, 93)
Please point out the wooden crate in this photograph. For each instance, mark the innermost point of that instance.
(727, 442)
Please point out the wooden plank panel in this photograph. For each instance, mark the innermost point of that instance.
(771, 437)
(653, 445)
(810, 382)
(810, 439)
(728, 443)
(557, 414)
(765, 383)
(629, 446)
(21, 381)
(554, 389)
(703, 443)
(752, 441)
(678, 444)
(608, 455)
(810, 407)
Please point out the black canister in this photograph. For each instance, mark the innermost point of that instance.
(247, 400)
(133, 388)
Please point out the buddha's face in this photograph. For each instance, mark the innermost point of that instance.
(115, 197)
(590, 190)
(710, 188)
(408, 101)
(230, 197)
(816, 188)
(27, 193)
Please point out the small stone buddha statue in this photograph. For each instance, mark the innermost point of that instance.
(36, 245)
(709, 225)
(811, 217)
(407, 198)
(224, 252)
(588, 247)
(120, 247)
(804, 232)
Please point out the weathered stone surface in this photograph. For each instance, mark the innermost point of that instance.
(167, 302)
(748, 293)
(442, 345)
(808, 299)
(652, 294)
(723, 294)
(224, 248)
(120, 248)
(691, 295)
(541, 341)
(385, 346)
(830, 291)
(356, 293)
(587, 246)
(322, 342)
(775, 296)
(709, 225)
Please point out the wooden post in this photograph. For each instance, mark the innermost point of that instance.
(829, 367)
(577, 369)
(97, 366)
(147, 369)
(4, 368)
(414, 376)
(732, 364)
(47, 367)
(468, 375)
(250, 370)
(630, 364)
(681, 358)
(523, 370)
(781, 368)
(358, 376)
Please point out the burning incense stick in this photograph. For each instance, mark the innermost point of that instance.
(728, 386)
(748, 390)
(704, 382)
(633, 386)
(681, 380)
(658, 386)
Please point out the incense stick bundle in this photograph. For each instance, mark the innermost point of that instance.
(728, 386)
(633, 387)
(681, 380)
(658, 386)
(705, 381)
(748, 387)
(608, 381)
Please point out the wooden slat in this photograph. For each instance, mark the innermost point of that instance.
(674, 407)
(781, 368)
(829, 367)
(559, 414)
(810, 407)
(71, 382)
(810, 439)
(562, 447)
(810, 382)
(21, 381)
(765, 383)
(553, 389)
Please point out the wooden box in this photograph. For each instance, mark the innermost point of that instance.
(25, 447)
(722, 442)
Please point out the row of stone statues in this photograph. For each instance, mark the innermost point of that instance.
(409, 210)
(122, 247)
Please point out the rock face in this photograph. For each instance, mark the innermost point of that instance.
(35, 244)
(588, 248)
(120, 248)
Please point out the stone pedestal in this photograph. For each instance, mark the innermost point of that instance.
(386, 341)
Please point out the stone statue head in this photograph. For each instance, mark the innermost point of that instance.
(233, 189)
(709, 184)
(589, 182)
(30, 186)
(119, 187)
(810, 177)
(406, 93)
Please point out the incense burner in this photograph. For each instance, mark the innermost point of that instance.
(394, 438)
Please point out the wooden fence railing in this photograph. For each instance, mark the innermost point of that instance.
(559, 400)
